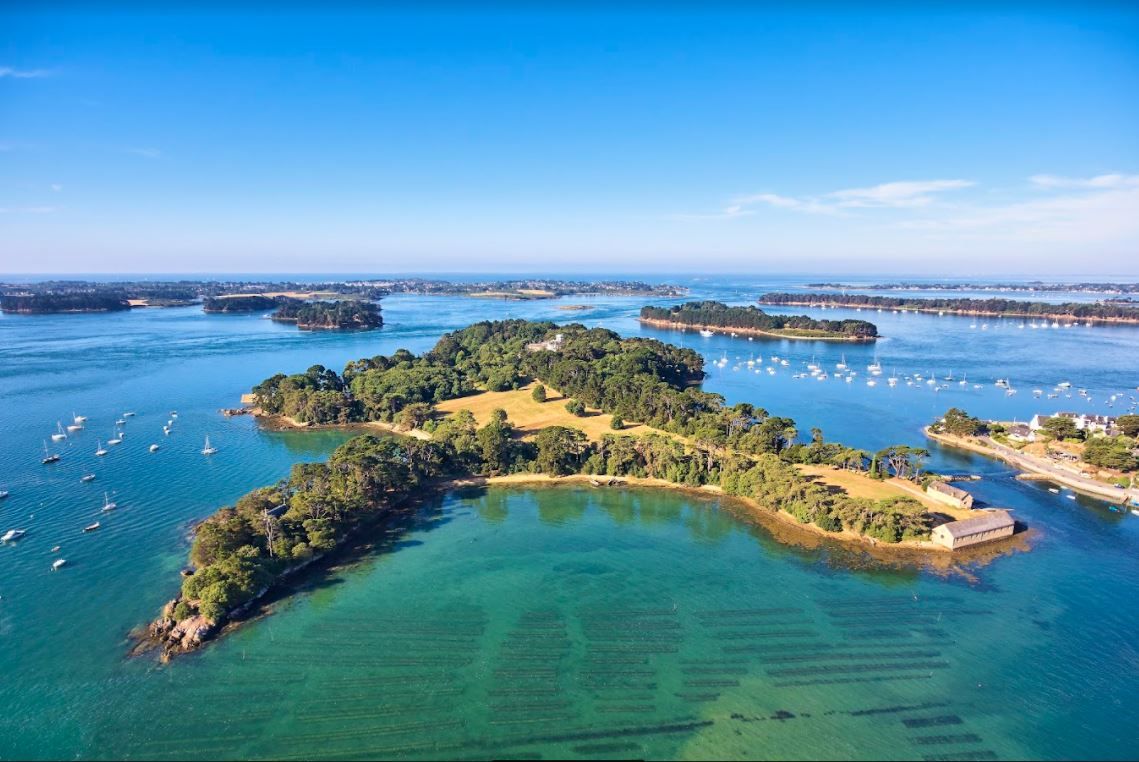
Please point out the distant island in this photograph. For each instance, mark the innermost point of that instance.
(1034, 286)
(221, 296)
(481, 405)
(754, 321)
(48, 303)
(353, 314)
(1106, 311)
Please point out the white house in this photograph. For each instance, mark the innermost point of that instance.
(1093, 424)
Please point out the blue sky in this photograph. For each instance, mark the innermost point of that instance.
(886, 140)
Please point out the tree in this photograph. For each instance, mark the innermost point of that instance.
(494, 443)
(576, 407)
(498, 415)
(415, 415)
(617, 423)
(1061, 427)
(539, 393)
(903, 460)
(560, 450)
(961, 424)
(1128, 425)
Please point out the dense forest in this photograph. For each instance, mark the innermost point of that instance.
(1033, 286)
(720, 315)
(39, 304)
(342, 315)
(1115, 311)
(247, 303)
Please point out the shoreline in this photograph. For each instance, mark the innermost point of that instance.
(708, 490)
(957, 312)
(755, 332)
(1037, 471)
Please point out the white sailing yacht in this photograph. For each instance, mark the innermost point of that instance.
(208, 450)
(107, 504)
(49, 457)
(841, 365)
(100, 452)
(59, 434)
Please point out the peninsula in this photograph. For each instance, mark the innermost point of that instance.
(641, 418)
(753, 321)
(1034, 286)
(1104, 311)
(48, 303)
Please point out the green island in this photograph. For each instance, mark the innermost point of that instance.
(350, 314)
(1101, 461)
(1105, 311)
(643, 419)
(750, 320)
(48, 303)
(239, 303)
(1032, 286)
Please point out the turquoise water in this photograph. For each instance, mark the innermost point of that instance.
(550, 622)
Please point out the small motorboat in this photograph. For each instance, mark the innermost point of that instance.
(154, 448)
(121, 422)
(91, 527)
(87, 478)
(3, 493)
(1054, 491)
(13, 534)
(1071, 497)
(706, 333)
(128, 414)
(56, 564)
(55, 549)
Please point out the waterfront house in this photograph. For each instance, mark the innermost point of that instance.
(1092, 424)
(1020, 432)
(994, 525)
(950, 495)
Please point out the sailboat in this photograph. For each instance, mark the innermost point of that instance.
(893, 379)
(107, 504)
(842, 364)
(78, 418)
(13, 534)
(100, 452)
(49, 457)
(75, 427)
(963, 380)
(59, 434)
(58, 563)
(208, 450)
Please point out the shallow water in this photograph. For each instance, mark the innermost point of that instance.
(553, 622)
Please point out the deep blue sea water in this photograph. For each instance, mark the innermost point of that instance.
(555, 622)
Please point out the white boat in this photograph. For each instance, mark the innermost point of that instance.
(59, 434)
(121, 422)
(13, 534)
(1054, 491)
(100, 452)
(841, 365)
(115, 440)
(58, 563)
(4, 493)
(166, 430)
(208, 450)
(49, 457)
(78, 418)
(75, 427)
(963, 380)
(91, 527)
(784, 362)
(128, 414)
(1064, 385)
(107, 504)
(87, 478)
(154, 448)
(871, 382)
(173, 413)
(703, 332)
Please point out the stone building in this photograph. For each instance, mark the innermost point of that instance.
(950, 495)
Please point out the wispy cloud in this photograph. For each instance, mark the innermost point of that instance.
(28, 209)
(896, 194)
(9, 72)
(146, 153)
(56, 187)
(900, 194)
(1114, 180)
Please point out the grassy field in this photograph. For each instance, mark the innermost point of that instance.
(530, 417)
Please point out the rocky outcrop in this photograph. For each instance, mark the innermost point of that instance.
(175, 637)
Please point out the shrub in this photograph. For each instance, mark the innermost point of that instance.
(617, 423)
(539, 393)
(575, 407)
